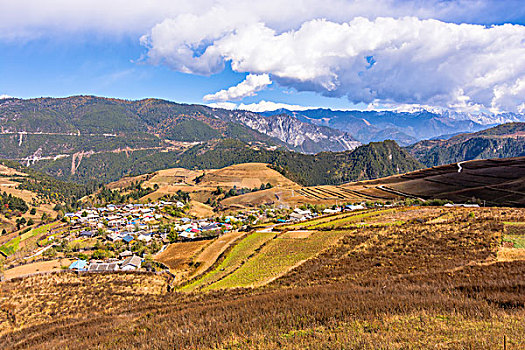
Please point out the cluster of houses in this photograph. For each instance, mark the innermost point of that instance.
(130, 262)
(141, 222)
(127, 217)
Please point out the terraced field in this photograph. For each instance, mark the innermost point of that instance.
(234, 259)
(179, 257)
(334, 193)
(276, 258)
(17, 243)
(494, 181)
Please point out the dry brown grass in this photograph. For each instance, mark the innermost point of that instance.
(511, 254)
(212, 252)
(179, 257)
(414, 286)
(41, 266)
(245, 175)
(200, 210)
(297, 234)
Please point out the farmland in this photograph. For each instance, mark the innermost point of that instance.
(245, 249)
(16, 244)
(179, 256)
(276, 258)
(438, 279)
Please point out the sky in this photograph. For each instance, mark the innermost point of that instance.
(462, 55)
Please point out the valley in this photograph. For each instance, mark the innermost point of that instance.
(154, 224)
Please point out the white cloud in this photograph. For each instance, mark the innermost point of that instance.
(311, 45)
(3, 97)
(261, 106)
(247, 87)
(386, 60)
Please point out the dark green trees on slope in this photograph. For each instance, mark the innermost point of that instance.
(503, 141)
(370, 161)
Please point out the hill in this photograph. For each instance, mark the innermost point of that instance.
(45, 128)
(405, 277)
(258, 180)
(494, 182)
(29, 199)
(502, 141)
(365, 162)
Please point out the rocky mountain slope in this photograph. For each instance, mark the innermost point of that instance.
(304, 137)
(503, 141)
(403, 127)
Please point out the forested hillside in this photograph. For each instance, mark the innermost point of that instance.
(365, 162)
(503, 141)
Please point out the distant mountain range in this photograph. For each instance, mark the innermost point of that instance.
(502, 141)
(49, 127)
(303, 136)
(403, 127)
(86, 138)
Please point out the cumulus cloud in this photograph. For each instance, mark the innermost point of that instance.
(415, 52)
(261, 106)
(245, 88)
(386, 60)
(3, 97)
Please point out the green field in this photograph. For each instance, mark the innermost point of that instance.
(236, 257)
(517, 240)
(13, 245)
(276, 258)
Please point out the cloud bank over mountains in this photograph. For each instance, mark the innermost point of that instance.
(446, 54)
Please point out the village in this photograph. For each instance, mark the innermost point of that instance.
(127, 236)
(130, 237)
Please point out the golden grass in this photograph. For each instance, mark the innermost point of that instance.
(510, 254)
(296, 234)
(178, 255)
(41, 266)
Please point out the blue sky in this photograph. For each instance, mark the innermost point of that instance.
(302, 53)
(113, 68)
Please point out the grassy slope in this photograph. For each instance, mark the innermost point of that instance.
(422, 285)
(234, 259)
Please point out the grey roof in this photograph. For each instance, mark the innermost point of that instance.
(133, 260)
(100, 267)
(126, 253)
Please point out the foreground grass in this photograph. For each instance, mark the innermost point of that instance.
(407, 331)
(414, 286)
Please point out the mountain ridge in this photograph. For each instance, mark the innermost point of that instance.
(157, 121)
(502, 141)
